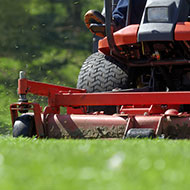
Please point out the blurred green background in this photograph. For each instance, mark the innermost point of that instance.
(47, 39)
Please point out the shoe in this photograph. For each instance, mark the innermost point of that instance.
(95, 22)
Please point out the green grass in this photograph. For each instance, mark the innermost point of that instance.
(93, 165)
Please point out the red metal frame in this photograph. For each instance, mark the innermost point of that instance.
(64, 96)
(37, 115)
(42, 89)
(139, 109)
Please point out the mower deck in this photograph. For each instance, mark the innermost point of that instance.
(158, 111)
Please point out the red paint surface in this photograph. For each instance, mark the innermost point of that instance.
(182, 31)
(127, 35)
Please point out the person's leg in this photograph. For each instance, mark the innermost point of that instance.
(120, 13)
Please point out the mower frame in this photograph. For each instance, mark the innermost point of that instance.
(154, 110)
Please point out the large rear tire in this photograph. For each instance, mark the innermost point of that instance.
(101, 73)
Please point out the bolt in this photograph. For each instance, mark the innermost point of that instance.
(22, 75)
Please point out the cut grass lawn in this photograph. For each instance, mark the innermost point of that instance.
(94, 164)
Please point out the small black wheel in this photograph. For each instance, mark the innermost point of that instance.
(141, 133)
(24, 126)
(101, 73)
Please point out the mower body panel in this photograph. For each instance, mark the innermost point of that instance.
(160, 17)
(182, 31)
(127, 35)
(156, 32)
(110, 127)
(172, 26)
(85, 126)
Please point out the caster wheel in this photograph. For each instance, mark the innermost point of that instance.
(24, 126)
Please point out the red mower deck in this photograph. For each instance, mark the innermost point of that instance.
(139, 110)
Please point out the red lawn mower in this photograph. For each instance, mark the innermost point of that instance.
(136, 85)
